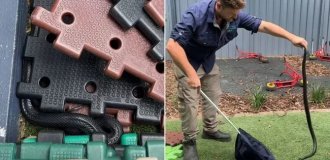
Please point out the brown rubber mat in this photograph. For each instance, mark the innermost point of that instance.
(126, 129)
(129, 14)
(86, 25)
(155, 9)
(125, 117)
(173, 138)
(76, 108)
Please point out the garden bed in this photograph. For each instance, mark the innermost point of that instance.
(232, 103)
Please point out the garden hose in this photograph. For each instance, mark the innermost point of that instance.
(69, 120)
(308, 117)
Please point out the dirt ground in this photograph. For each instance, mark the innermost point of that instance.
(237, 86)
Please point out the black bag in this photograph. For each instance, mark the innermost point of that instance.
(249, 148)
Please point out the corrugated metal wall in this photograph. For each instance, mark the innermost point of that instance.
(307, 18)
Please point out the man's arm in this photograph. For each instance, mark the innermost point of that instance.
(180, 36)
(275, 30)
(180, 59)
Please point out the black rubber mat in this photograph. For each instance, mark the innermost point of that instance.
(129, 14)
(57, 78)
(44, 3)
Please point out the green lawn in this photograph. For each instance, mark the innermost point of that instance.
(287, 137)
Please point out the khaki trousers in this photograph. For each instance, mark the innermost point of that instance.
(188, 101)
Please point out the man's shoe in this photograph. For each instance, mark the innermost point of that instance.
(190, 150)
(218, 135)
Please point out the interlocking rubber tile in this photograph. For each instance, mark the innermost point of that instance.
(125, 117)
(126, 129)
(144, 137)
(129, 15)
(57, 79)
(84, 109)
(54, 136)
(119, 150)
(99, 137)
(155, 9)
(147, 158)
(76, 108)
(85, 25)
(44, 3)
(174, 138)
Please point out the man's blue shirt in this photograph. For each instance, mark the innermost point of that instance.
(199, 37)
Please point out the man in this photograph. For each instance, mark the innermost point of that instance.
(207, 26)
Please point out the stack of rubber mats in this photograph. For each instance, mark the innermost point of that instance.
(53, 144)
(106, 55)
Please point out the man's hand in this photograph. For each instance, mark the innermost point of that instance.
(194, 81)
(299, 42)
(180, 59)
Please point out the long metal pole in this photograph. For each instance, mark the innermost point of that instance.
(215, 106)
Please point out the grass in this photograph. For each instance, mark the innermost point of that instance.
(287, 137)
(27, 129)
(258, 98)
(318, 94)
(144, 128)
